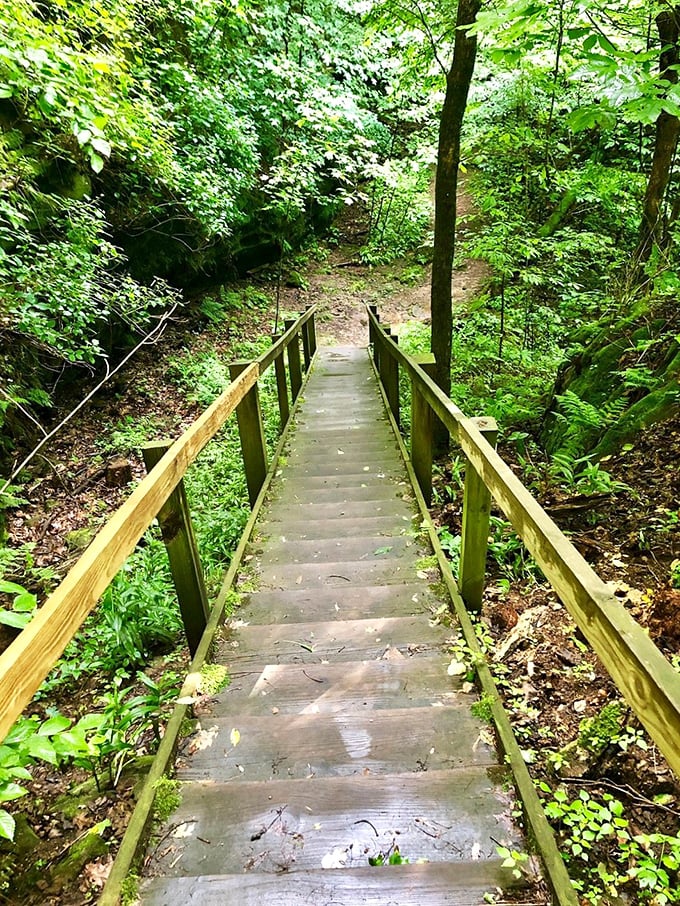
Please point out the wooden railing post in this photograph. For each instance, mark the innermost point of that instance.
(251, 431)
(306, 345)
(177, 531)
(294, 361)
(389, 375)
(475, 531)
(422, 421)
(375, 342)
(281, 385)
(312, 335)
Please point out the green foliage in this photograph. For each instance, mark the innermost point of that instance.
(606, 857)
(130, 435)
(391, 857)
(129, 889)
(214, 678)
(22, 608)
(399, 210)
(103, 742)
(167, 798)
(483, 708)
(596, 733)
(514, 860)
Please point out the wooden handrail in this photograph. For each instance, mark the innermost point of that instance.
(643, 675)
(266, 359)
(29, 658)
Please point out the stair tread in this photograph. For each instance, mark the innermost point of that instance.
(434, 815)
(438, 884)
(274, 748)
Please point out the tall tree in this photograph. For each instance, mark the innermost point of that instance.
(458, 78)
(654, 225)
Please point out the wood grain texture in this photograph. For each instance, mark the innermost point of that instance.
(357, 602)
(251, 433)
(394, 681)
(286, 825)
(294, 366)
(28, 660)
(177, 530)
(474, 540)
(338, 745)
(440, 884)
(643, 675)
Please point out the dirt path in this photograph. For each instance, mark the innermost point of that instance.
(342, 286)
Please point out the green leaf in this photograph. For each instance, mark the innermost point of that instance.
(9, 791)
(11, 588)
(102, 146)
(7, 825)
(41, 747)
(96, 162)
(56, 724)
(25, 603)
(15, 620)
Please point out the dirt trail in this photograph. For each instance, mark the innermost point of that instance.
(342, 286)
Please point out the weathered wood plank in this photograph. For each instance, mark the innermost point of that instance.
(330, 642)
(355, 603)
(302, 746)
(281, 386)
(177, 530)
(28, 660)
(438, 884)
(422, 424)
(251, 432)
(303, 824)
(475, 530)
(294, 366)
(369, 548)
(644, 676)
(394, 681)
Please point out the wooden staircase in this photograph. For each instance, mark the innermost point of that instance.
(341, 740)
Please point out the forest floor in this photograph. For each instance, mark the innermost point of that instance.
(552, 681)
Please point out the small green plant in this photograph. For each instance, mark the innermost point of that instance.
(391, 857)
(129, 889)
(482, 709)
(613, 861)
(514, 860)
(214, 678)
(22, 608)
(596, 733)
(167, 798)
(130, 434)
(675, 574)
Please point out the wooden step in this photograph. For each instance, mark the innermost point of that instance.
(330, 641)
(298, 483)
(438, 816)
(277, 747)
(363, 547)
(373, 571)
(301, 492)
(279, 511)
(438, 884)
(335, 603)
(394, 681)
(310, 529)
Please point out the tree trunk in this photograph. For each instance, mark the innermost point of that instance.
(653, 232)
(458, 81)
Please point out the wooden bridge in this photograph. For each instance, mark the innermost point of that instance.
(343, 763)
